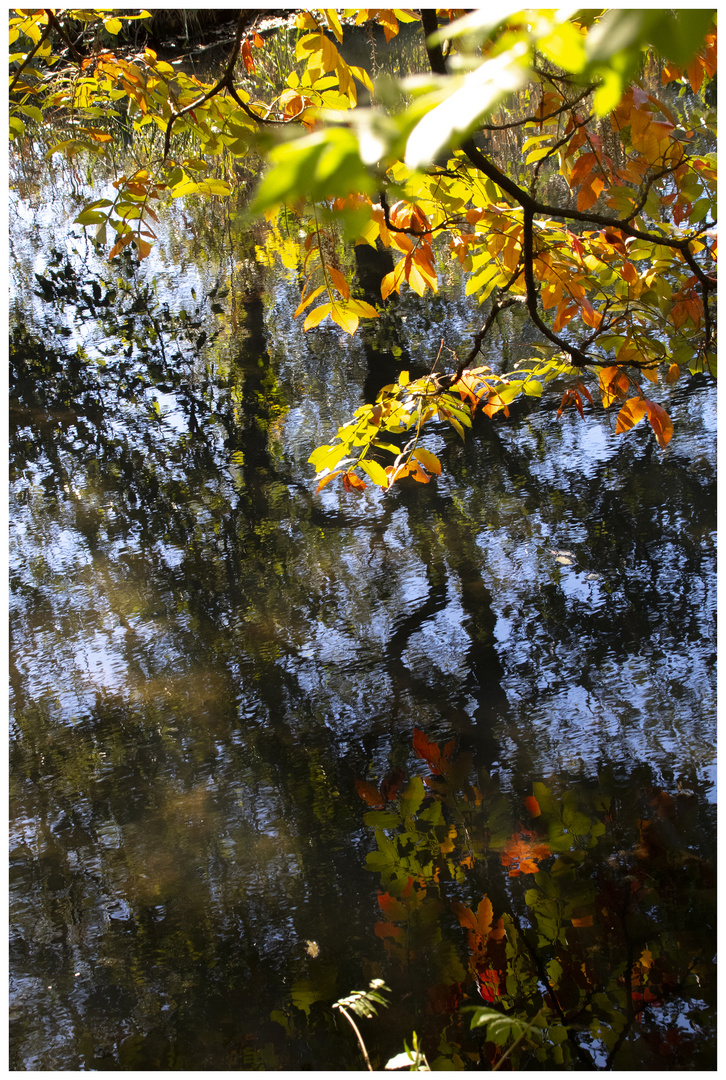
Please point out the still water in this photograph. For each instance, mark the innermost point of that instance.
(220, 681)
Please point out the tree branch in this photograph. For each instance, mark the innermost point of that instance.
(532, 206)
(245, 20)
(32, 52)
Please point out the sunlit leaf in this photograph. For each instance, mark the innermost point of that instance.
(661, 423)
(630, 414)
(317, 315)
(428, 460)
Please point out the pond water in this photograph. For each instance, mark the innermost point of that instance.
(226, 690)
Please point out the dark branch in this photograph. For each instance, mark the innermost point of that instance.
(245, 21)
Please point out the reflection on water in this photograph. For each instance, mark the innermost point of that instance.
(206, 659)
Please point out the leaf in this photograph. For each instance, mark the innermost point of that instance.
(631, 413)
(327, 479)
(391, 907)
(458, 112)
(201, 187)
(369, 793)
(308, 300)
(499, 1027)
(339, 281)
(438, 759)
(375, 471)
(352, 482)
(428, 460)
(661, 423)
(317, 315)
(345, 318)
(532, 806)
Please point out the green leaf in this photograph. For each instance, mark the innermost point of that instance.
(499, 1027)
(463, 104)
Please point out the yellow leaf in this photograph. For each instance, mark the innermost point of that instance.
(376, 472)
(360, 307)
(416, 279)
(674, 373)
(428, 460)
(632, 411)
(317, 315)
(334, 22)
(308, 300)
(344, 318)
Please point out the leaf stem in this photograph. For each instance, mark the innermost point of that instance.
(353, 1024)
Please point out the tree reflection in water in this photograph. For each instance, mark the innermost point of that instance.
(228, 697)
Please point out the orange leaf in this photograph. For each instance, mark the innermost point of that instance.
(465, 915)
(353, 482)
(614, 384)
(327, 479)
(582, 168)
(661, 423)
(631, 413)
(586, 920)
(523, 853)
(589, 193)
(484, 916)
(532, 805)
(307, 300)
(695, 74)
(674, 373)
(339, 281)
(392, 282)
(392, 908)
(428, 460)
(247, 57)
(629, 273)
(590, 316)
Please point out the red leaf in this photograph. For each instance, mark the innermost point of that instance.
(386, 929)
(369, 794)
(532, 805)
(438, 759)
(392, 784)
(391, 907)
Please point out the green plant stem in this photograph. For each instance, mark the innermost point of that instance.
(515, 1044)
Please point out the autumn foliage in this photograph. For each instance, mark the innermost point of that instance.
(602, 232)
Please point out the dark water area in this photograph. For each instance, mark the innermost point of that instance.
(267, 745)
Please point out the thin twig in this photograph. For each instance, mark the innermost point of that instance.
(353, 1024)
